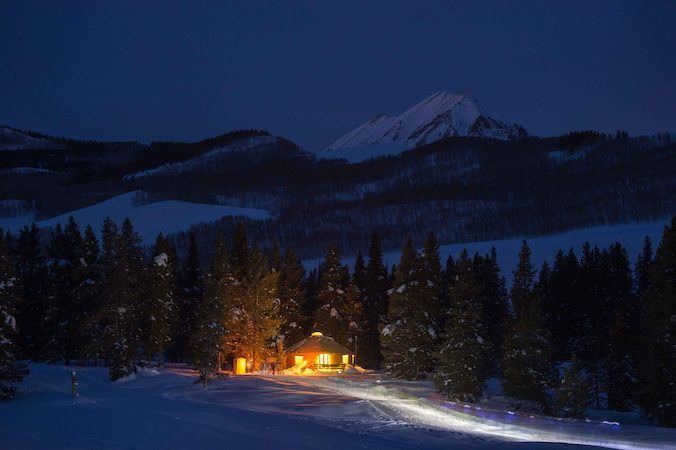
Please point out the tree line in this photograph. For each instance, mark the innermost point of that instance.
(579, 332)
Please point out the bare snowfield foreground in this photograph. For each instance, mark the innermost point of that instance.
(162, 409)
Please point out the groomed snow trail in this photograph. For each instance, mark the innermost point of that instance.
(408, 408)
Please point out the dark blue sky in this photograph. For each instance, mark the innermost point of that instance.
(311, 71)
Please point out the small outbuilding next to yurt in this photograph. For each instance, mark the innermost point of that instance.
(319, 353)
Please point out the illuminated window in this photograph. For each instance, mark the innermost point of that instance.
(324, 358)
(346, 359)
(297, 359)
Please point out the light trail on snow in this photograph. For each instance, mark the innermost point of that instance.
(500, 425)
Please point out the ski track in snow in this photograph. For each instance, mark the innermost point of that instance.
(164, 409)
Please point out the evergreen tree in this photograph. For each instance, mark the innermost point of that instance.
(65, 313)
(31, 274)
(644, 268)
(447, 281)
(461, 372)
(595, 318)
(310, 287)
(494, 307)
(159, 307)
(331, 315)
(103, 321)
(620, 342)
(190, 294)
(89, 295)
(563, 306)
(291, 298)
(124, 291)
(527, 369)
(12, 371)
(658, 333)
(209, 331)
(407, 343)
(375, 304)
(258, 313)
(573, 395)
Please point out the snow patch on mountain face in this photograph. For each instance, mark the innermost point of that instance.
(167, 216)
(439, 116)
(12, 139)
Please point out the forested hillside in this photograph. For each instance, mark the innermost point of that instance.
(463, 189)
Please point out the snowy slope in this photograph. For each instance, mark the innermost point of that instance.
(440, 115)
(12, 139)
(163, 409)
(543, 248)
(168, 216)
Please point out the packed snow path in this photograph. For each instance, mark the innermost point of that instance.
(164, 410)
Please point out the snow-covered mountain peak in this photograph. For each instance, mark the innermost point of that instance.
(442, 114)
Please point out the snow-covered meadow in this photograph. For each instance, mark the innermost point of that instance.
(164, 409)
(166, 216)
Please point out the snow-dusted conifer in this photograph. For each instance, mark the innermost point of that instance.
(374, 287)
(527, 370)
(330, 316)
(461, 372)
(291, 298)
(406, 341)
(573, 395)
(207, 340)
(12, 371)
(31, 274)
(657, 368)
(159, 303)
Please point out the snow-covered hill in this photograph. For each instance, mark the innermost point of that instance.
(13, 139)
(167, 216)
(439, 116)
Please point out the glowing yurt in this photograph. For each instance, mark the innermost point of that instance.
(319, 353)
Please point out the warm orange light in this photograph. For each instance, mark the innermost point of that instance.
(323, 358)
(346, 359)
(298, 359)
(240, 366)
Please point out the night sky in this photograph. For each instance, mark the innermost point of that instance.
(311, 71)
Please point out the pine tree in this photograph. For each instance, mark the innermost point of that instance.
(407, 343)
(209, 331)
(89, 295)
(103, 321)
(31, 274)
(657, 372)
(124, 290)
(494, 307)
(12, 371)
(330, 316)
(291, 298)
(259, 311)
(190, 294)
(461, 372)
(644, 268)
(65, 314)
(447, 281)
(564, 305)
(375, 304)
(618, 367)
(573, 395)
(527, 369)
(159, 307)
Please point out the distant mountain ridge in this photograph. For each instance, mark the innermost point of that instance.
(441, 115)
